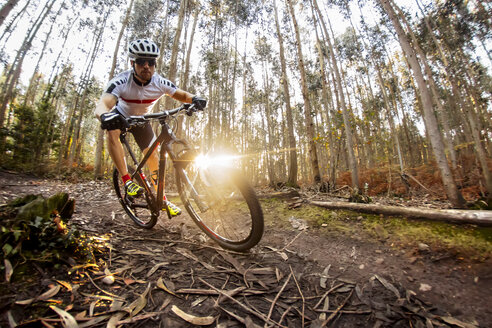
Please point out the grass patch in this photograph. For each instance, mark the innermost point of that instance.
(463, 240)
(466, 241)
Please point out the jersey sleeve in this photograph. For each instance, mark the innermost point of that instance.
(114, 86)
(166, 86)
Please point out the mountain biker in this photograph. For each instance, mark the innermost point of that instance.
(134, 92)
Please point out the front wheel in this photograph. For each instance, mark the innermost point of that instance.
(222, 204)
(138, 209)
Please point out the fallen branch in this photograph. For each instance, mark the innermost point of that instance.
(420, 184)
(278, 295)
(300, 292)
(248, 309)
(458, 216)
(337, 310)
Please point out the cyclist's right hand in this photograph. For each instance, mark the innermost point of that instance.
(113, 121)
(199, 102)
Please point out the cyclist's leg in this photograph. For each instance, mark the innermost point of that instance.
(144, 136)
(116, 151)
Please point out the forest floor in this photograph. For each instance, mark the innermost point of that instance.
(313, 267)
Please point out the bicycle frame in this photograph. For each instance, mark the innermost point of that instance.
(166, 139)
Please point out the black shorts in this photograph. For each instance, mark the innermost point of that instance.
(143, 134)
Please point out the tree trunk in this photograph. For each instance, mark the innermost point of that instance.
(483, 218)
(11, 27)
(346, 120)
(98, 156)
(430, 121)
(4, 12)
(292, 175)
(14, 73)
(30, 96)
(313, 156)
(83, 88)
(171, 73)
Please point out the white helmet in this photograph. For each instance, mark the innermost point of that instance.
(143, 48)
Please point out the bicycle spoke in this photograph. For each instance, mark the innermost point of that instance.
(228, 217)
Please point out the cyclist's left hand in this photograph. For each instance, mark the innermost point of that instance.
(199, 102)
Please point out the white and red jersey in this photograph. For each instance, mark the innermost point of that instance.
(135, 98)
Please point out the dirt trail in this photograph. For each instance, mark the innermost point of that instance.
(293, 277)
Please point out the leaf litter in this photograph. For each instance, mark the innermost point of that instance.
(262, 288)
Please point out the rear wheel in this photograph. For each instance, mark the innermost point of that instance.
(139, 209)
(222, 204)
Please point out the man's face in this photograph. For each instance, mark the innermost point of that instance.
(144, 68)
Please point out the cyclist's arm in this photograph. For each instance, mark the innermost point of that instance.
(105, 104)
(183, 96)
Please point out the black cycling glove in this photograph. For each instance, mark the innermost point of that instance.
(199, 102)
(113, 121)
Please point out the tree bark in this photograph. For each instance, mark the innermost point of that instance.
(30, 96)
(4, 12)
(292, 175)
(98, 160)
(173, 63)
(430, 121)
(483, 218)
(313, 156)
(14, 73)
(352, 163)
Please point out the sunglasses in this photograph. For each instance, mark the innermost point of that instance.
(142, 61)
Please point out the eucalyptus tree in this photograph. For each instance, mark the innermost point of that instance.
(30, 95)
(452, 191)
(98, 156)
(15, 69)
(345, 111)
(11, 25)
(6, 8)
(81, 108)
(292, 175)
(313, 156)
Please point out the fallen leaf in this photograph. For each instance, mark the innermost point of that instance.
(458, 323)
(137, 318)
(161, 285)
(324, 276)
(283, 256)
(137, 305)
(199, 321)
(156, 267)
(115, 319)
(50, 293)
(25, 302)
(95, 321)
(65, 284)
(12, 322)
(388, 286)
(128, 281)
(8, 270)
(67, 320)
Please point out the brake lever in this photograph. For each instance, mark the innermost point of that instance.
(190, 110)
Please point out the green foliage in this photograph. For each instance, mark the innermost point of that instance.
(33, 135)
(33, 228)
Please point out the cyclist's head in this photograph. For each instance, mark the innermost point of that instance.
(143, 48)
(143, 54)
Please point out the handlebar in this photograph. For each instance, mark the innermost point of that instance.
(142, 119)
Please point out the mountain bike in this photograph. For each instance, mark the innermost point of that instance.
(216, 195)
